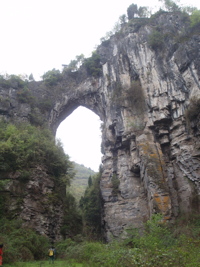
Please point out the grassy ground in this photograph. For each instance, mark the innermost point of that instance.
(57, 263)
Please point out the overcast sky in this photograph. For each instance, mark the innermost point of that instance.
(39, 35)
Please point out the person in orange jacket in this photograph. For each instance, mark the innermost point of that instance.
(1, 254)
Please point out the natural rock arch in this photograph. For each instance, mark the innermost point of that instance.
(148, 150)
(86, 95)
(80, 134)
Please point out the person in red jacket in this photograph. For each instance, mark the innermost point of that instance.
(1, 254)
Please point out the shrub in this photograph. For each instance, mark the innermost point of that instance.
(193, 109)
(4, 102)
(135, 96)
(16, 82)
(45, 105)
(13, 81)
(156, 39)
(137, 23)
(52, 77)
(93, 65)
(159, 244)
(115, 183)
(90, 205)
(24, 96)
(24, 145)
(195, 18)
(21, 243)
(3, 82)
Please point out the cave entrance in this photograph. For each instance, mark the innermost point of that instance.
(80, 135)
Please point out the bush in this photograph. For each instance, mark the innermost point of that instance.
(195, 18)
(90, 205)
(3, 82)
(193, 109)
(156, 39)
(52, 77)
(24, 96)
(13, 81)
(159, 244)
(23, 146)
(45, 105)
(135, 96)
(115, 183)
(93, 65)
(21, 243)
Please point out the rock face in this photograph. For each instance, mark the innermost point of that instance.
(34, 200)
(151, 150)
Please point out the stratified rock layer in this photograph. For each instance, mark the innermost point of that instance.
(151, 159)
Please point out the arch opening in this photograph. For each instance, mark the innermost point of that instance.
(80, 135)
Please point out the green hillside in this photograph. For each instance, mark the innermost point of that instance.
(80, 182)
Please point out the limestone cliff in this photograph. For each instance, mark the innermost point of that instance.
(34, 201)
(151, 159)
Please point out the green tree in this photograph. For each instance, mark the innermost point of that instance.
(143, 12)
(31, 78)
(156, 39)
(132, 11)
(170, 5)
(72, 220)
(195, 18)
(24, 146)
(93, 65)
(75, 64)
(90, 181)
(122, 19)
(21, 244)
(90, 205)
(52, 77)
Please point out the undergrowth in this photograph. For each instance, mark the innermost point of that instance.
(159, 245)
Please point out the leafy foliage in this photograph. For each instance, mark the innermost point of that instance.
(90, 205)
(52, 77)
(158, 245)
(24, 96)
(170, 5)
(13, 81)
(133, 11)
(93, 65)
(135, 95)
(76, 63)
(20, 243)
(193, 109)
(24, 145)
(115, 183)
(156, 39)
(72, 221)
(195, 18)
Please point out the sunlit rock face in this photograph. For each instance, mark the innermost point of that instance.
(151, 159)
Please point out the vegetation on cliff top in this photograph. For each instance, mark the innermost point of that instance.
(23, 146)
